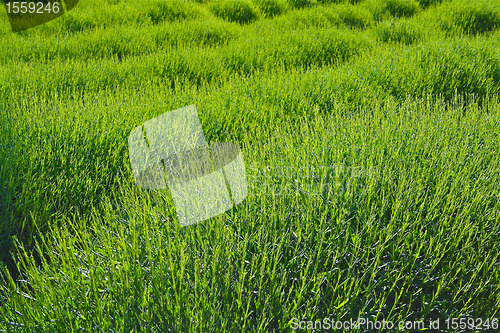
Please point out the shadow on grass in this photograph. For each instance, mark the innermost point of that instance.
(7, 197)
(40, 188)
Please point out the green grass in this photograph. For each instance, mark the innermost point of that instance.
(241, 11)
(271, 8)
(471, 17)
(370, 135)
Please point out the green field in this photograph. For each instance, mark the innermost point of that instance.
(371, 137)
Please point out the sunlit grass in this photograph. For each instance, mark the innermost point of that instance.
(370, 140)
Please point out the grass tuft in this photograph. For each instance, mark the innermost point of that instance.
(354, 16)
(471, 17)
(384, 9)
(400, 31)
(241, 11)
(428, 3)
(272, 8)
(301, 3)
(173, 10)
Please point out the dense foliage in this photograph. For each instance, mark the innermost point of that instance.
(370, 135)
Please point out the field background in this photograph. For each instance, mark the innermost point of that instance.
(370, 133)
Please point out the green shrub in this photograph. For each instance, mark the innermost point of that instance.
(472, 17)
(299, 48)
(428, 3)
(400, 31)
(173, 10)
(401, 8)
(202, 32)
(309, 17)
(384, 9)
(86, 17)
(302, 3)
(338, 1)
(327, 17)
(241, 11)
(271, 8)
(354, 16)
(437, 68)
